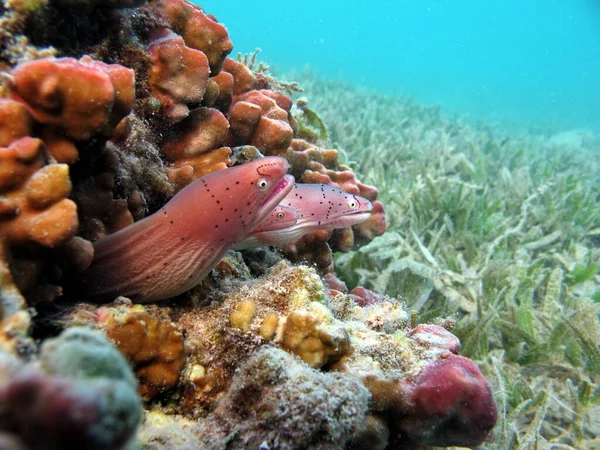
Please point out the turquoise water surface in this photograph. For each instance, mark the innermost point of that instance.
(530, 62)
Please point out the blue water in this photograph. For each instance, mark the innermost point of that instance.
(527, 61)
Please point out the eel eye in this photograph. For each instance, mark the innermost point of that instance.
(352, 203)
(280, 215)
(262, 184)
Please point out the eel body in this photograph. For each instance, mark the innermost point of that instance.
(319, 207)
(172, 250)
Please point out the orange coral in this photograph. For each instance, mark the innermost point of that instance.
(56, 105)
(34, 205)
(178, 74)
(243, 80)
(199, 30)
(80, 97)
(153, 344)
(257, 118)
(222, 99)
(34, 209)
(195, 146)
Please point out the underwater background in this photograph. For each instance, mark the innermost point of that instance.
(535, 62)
(464, 311)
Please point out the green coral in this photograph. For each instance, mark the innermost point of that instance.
(82, 353)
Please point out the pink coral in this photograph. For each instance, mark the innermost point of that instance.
(435, 336)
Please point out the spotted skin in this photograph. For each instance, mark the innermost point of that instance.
(319, 207)
(172, 250)
(281, 217)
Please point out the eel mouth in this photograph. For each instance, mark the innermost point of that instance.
(358, 217)
(279, 192)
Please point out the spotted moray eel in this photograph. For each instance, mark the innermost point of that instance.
(280, 217)
(172, 250)
(319, 207)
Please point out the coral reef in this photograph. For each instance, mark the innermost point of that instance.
(162, 91)
(292, 310)
(268, 390)
(138, 101)
(405, 381)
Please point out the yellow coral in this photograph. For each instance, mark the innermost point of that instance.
(242, 315)
(268, 327)
(313, 340)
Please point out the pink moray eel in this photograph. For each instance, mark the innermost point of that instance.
(319, 207)
(280, 217)
(171, 251)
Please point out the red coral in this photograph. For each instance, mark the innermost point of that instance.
(365, 297)
(450, 404)
(435, 336)
(335, 284)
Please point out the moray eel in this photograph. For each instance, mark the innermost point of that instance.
(172, 250)
(280, 217)
(319, 207)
